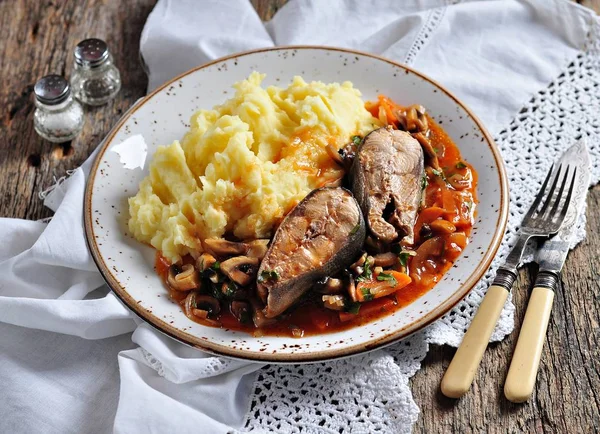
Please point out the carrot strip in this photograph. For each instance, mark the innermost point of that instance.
(373, 289)
(402, 279)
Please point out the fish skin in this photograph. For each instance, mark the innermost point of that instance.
(306, 231)
(376, 182)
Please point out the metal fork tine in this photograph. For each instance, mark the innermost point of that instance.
(551, 192)
(538, 198)
(565, 207)
(559, 196)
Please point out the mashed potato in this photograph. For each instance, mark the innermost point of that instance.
(245, 164)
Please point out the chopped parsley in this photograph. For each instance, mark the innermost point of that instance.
(217, 291)
(461, 165)
(229, 289)
(387, 277)
(353, 307)
(424, 182)
(356, 140)
(437, 172)
(367, 274)
(403, 256)
(268, 275)
(366, 293)
(216, 266)
(355, 229)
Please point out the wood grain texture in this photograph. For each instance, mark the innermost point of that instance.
(37, 37)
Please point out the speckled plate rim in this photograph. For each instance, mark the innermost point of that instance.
(308, 357)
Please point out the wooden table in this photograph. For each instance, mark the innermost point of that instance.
(37, 38)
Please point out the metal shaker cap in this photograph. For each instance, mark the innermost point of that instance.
(52, 89)
(91, 52)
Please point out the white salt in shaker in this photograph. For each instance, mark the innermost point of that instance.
(57, 117)
(95, 79)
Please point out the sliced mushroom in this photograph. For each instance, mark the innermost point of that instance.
(257, 248)
(241, 269)
(460, 182)
(241, 310)
(222, 247)
(334, 302)
(385, 259)
(258, 317)
(195, 302)
(244, 293)
(359, 263)
(413, 119)
(184, 278)
(228, 289)
(351, 286)
(330, 285)
(204, 315)
(442, 226)
(358, 271)
(428, 148)
(209, 304)
(205, 261)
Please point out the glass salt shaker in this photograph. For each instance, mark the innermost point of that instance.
(57, 117)
(95, 79)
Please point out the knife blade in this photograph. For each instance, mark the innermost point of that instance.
(550, 256)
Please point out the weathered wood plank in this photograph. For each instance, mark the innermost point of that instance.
(37, 38)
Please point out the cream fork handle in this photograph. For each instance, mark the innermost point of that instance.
(520, 380)
(462, 369)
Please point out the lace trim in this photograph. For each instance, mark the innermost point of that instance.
(370, 393)
(434, 17)
(359, 394)
(153, 362)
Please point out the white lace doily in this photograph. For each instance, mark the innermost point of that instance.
(371, 393)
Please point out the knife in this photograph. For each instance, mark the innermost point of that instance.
(550, 256)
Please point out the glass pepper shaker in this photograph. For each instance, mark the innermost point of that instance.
(95, 79)
(57, 117)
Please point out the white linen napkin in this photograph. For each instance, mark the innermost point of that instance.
(496, 56)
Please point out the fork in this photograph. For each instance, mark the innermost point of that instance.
(542, 222)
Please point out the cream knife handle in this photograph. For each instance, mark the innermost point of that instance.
(462, 369)
(520, 380)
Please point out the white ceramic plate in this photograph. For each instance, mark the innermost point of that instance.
(162, 117)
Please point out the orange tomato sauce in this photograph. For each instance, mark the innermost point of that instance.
(436, 251)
